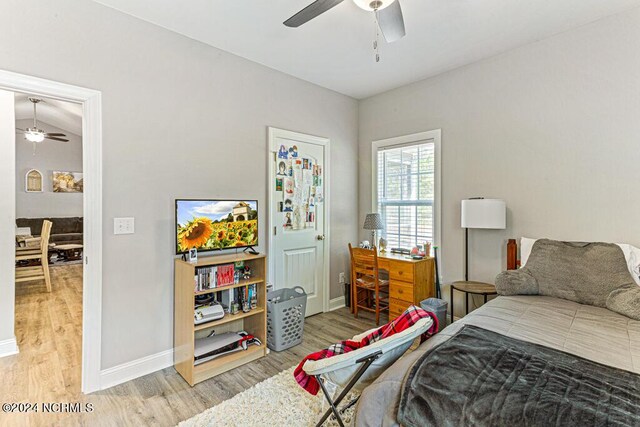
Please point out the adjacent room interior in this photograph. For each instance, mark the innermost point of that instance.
(49, 241)
(330, 212)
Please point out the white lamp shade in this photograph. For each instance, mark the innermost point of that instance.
(484, 213)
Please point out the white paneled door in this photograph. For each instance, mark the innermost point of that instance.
(297, 203)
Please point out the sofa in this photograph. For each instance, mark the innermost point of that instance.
(64, 231)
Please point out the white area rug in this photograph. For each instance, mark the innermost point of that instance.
(277, 401)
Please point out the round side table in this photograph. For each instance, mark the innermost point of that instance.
(475, 288)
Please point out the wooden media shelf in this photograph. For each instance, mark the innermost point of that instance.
(185, 331)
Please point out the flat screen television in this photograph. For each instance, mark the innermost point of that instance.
(210, 225)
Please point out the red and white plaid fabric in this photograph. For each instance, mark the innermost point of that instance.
(402, 322)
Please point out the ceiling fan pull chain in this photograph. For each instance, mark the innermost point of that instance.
(377, 35)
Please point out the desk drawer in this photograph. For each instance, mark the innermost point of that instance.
(401, 271)
(401, 291)
(397, 307)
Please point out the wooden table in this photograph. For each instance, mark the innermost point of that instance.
(70, 252)
(410, 280)
(475, 288)
(21, 240)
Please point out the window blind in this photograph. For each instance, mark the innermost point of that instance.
(406, 183)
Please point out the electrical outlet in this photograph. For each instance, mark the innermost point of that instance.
(341, 279)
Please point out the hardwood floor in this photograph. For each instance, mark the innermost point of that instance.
(49, 333)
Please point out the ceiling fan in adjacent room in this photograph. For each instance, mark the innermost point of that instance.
(387, 13)
(35, 134)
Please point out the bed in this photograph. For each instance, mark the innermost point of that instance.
(594, 333)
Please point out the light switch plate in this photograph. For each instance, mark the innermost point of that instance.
(123, 225)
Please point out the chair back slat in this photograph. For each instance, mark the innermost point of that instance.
(365, 277)
(44, 237)
(364, 261)
(368, 270)
(28, 273)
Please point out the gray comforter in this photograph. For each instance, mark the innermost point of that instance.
(593, 333)
(480, 378)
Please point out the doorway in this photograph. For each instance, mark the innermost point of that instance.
(298, 215)
(91, 258)
(49, 244)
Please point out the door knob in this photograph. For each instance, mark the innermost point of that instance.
(320, 237)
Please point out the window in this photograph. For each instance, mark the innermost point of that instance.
(407, 189)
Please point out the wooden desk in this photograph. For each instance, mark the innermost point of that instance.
(410, 280)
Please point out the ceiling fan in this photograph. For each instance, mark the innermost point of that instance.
(388, 16)
(35, 134)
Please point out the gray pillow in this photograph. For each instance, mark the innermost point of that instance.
(587, 273)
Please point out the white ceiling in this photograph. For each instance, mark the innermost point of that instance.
(61, 114)
(335, 49)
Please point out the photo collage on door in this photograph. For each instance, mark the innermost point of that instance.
(299, 181)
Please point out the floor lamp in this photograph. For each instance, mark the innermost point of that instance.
(481, 213)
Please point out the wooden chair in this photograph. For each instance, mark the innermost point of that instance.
(365, 277)
(38, 272)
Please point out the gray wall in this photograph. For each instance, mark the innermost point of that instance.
(7, 214)
(50, 156)
(159, 91)
(551, 127)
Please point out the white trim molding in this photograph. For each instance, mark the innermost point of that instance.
(336, 303)
(8, 347)
(432, 135)
(91, 101)
(137, 368)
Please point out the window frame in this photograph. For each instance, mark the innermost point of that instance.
(433, 136)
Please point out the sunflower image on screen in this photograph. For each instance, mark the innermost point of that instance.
(215, 224)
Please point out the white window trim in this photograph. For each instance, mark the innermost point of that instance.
(406, 140)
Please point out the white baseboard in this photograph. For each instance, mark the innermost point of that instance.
(336, 303)
(135, 369)
(8, 347)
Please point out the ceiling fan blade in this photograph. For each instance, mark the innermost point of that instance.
(316, 8)
(53, 138)
(391, 22)
(55, 134)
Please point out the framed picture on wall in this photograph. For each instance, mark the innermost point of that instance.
(33, 181)
(67, 182)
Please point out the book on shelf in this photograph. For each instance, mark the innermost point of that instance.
(205, 278)
(226, 275)
(214, 277)
(229, 298)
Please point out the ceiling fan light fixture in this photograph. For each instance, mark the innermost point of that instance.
(34, 135)
(371, 5)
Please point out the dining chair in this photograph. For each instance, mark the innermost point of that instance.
(41, 253)
(366, 281)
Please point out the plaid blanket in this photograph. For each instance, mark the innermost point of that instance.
(402, 322)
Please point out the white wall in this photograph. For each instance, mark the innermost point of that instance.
(50, 156)
(160, 90)
(551, 127)
(7, 215)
